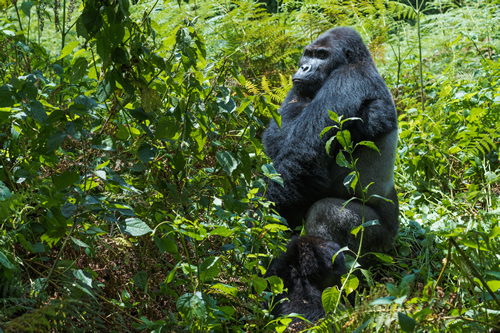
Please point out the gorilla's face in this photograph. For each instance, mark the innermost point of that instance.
(318, 61)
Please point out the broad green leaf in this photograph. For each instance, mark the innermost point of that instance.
(26, 244)
(227, 161)
(4, 192)
(166, 244)
(230, 290)
(383, 300)
(351, 284)
(141, 280)
(259, 284)
(407, 323)
(68, 209)
(36, 111)
(222, 231)
(55, 140)
(494, 285)
(26, 8)
(120, 56)
(68, 49)
(146, 153)
(344, 138)
(276, 284)
(167, 128)
(150, 99)
(6, 262)
(192, 306)
(66, 179)
(393, 290)
(329, 298)
(7, 96)
(79, 69)
(84, 277)
(342, 161)
(210, 268)
(79, 242)
(369, 144)
(384, 257)
(105, 88)
(135, 227)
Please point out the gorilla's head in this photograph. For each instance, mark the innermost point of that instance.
(333, 49)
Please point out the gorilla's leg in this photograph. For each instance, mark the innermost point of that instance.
(306, 270)
(328, 220)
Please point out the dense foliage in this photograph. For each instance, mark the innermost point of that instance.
(132, 171)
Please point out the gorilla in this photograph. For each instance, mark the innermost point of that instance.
(336, 72)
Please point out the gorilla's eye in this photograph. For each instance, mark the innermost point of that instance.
(308, 53)
(322, 54)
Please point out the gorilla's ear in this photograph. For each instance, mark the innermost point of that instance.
(349, 55)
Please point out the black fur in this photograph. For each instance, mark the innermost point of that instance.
(336, 72)
(306, 269)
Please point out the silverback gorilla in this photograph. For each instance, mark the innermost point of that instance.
(336, 72)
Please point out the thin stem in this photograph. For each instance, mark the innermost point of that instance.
(420, 61)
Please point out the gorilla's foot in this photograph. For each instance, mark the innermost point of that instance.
(306, 270)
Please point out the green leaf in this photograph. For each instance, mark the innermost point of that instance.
(227, 161)
(72, 130)
(55, 140)
(271, 173)
(105, 88)
(6, 262)
(36, 111)
(350, 181)
(230, 290)
(383, 300)
(344, 138)
(27, 245)
(351, 284)
(146, 153)
(384, 257)
(342, 161)
(259, 284)
(26, 8)
(150, 99)
(84, 277)
(192, 306)
(79, 242)
(369, 144)
(66, 179)
(166, 244)
(68, 209)
(210, 268)
(393, 290)
(167, 128)
(4, 192)
(329, 298)
(178, 161)
(494, 285)
(79, 69)
(135, 227)
(275, 114)
(276, 284)
(68, 49)
(141, 280)
(407, 323)
(222, 231)
(120, 56)
(7, 96)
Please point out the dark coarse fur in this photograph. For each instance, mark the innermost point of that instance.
(306, 269)
(337, 73)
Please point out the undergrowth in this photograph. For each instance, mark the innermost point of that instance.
(131, 166)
